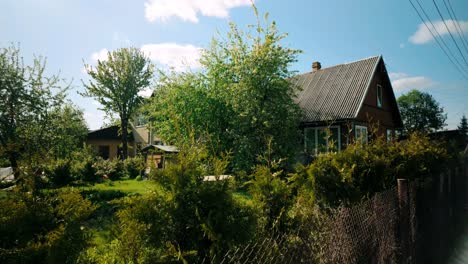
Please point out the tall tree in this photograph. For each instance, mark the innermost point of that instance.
(240, 100)
(27, 97)
(463, 127)
(116, 82)
(68, 130)
(421, 112)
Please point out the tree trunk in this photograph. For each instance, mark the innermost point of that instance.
(124, 127)
(13, 158)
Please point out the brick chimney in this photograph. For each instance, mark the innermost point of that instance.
(316, 66)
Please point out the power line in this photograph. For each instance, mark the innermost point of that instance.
(437, 40)
(450, 33)
(440, 37)
(457, 24)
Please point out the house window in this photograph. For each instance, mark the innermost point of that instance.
(379, 95)
(389, 135)
(361, 134)
(322, 139)
(103, 151)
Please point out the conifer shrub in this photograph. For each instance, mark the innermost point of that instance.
(46, 228)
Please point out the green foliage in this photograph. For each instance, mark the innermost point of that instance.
(134, 167)
(360, 171)
(421, 112)
(112, 169)
(82, 161)
(270, 192)
(43, 229)
(186, 218)
(29, 100)
(116, 82)
(69, 130)
(240, 100)
(59, 172)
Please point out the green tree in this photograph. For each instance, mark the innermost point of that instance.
(116, 82)
(463, 127)
(28, 97)
(68, 129)
(421, 112)
(238, 102)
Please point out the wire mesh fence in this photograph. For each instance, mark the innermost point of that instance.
(405, 224)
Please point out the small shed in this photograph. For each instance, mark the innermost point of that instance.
(158, 155)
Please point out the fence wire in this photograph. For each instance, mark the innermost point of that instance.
(379, 230)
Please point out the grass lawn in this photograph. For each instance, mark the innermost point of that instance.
(106, 196)
(125, 186)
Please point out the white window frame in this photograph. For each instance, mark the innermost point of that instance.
(379, 96)
(316, 137)
(363, 140)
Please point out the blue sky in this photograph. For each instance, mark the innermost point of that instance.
(173, 31)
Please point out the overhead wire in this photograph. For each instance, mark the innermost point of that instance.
(450, 32)
(453, 16)
(448, 51)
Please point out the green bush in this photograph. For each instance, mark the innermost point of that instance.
(111, 169)
(187, 219)
(139, 178)
(359, 171)
(82, 162)
(59, 172)
(43, 229)
(134, 166)
(272, 195)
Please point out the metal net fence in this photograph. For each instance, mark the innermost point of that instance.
(406, 224)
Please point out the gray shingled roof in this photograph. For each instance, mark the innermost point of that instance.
(337, 92)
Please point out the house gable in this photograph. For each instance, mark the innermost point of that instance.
(386, 115)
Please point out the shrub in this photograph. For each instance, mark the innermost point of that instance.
(272, 195)
(359, 171)
(139, 178)
(134, 166)
(59, 172)
(43, 229)
(82, 165)
(111, 169)
(187, 219)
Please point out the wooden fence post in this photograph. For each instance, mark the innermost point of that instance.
(403, 202)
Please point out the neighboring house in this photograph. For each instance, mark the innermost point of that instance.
(107, 141)
(346, 102)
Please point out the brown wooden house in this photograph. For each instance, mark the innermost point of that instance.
(346, 102)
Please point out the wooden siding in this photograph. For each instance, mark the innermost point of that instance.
(385, 117)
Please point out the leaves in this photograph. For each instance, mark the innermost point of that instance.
(116, 83)
(240, 100)
(421, 112)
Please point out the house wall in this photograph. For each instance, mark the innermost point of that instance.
(113, 146)
(142, 135)
(382, 118)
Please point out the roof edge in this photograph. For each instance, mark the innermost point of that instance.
(368, 85)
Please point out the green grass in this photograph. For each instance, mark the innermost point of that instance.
(125, 186)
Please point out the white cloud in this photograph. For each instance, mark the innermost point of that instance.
(100, 55)
(423, 35)
(402, 45)
(403, 81)
(171, 55)
(178, 57)
(188, 10)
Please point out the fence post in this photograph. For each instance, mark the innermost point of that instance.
(403, 202)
